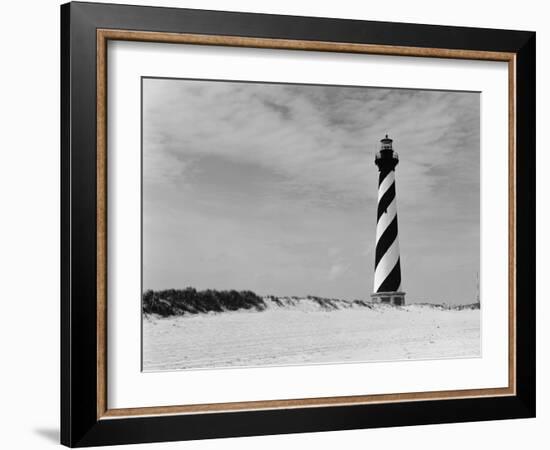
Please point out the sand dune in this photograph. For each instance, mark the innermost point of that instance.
(305, 332)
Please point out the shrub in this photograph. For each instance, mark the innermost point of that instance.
(171, 302)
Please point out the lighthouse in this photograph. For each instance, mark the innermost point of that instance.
(387, 265)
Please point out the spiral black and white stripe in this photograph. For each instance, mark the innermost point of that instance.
(387, 272)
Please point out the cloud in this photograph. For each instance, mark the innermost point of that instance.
(289, 170)
(337, 270)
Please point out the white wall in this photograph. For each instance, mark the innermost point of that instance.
(29, 223)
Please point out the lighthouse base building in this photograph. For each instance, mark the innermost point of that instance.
(391, 298)
(387, 265)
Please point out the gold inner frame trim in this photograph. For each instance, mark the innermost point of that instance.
(104, 35)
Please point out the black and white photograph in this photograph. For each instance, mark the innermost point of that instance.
(291, 224)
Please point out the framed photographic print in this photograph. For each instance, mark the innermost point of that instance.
(276, 224)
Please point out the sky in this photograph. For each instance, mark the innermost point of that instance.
(273, 188)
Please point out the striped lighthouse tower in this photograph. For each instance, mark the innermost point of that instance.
(387, 267)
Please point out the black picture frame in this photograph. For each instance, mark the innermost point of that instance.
(80, 425)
